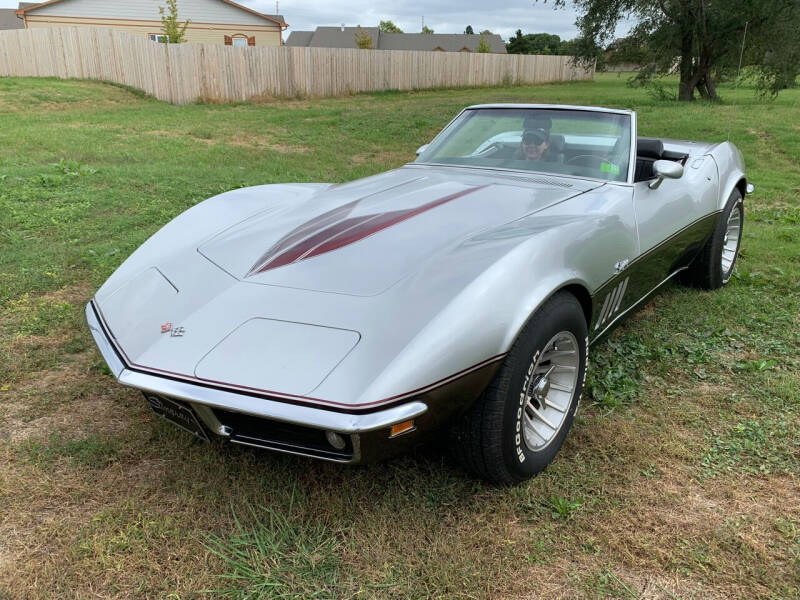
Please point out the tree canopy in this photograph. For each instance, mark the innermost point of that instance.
(426, 29)
(469, 30)
(536, 43)
(389, 27)
(483, 46)
(701, 40)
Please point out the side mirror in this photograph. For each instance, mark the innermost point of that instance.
(422, 149)
(665, 169)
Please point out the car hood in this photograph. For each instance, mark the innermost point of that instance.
(362, 237)
(313, 291)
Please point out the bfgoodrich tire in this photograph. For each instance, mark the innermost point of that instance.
(714, 266)
(519, 423)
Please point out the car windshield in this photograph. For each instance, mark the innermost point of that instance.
(559, 141)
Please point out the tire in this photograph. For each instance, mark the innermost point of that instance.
(497, 439)
(710, 271)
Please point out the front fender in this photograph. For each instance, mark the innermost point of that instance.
(202, 221)
(730, 164)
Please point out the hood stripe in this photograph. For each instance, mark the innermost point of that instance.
(328, 233)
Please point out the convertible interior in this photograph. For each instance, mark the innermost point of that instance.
(648, 151)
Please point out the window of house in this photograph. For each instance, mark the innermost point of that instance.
(240, 41)
(158, 37)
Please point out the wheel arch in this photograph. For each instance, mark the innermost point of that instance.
(578, 289)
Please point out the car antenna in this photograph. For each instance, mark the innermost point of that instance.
(739, 71)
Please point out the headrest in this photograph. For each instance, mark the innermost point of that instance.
(557, 143)
(649, 148)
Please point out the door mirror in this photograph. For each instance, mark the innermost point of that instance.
(665, 169)
(422, 149)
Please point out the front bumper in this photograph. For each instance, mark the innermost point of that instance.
(220, 411)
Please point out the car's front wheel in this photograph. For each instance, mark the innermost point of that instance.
(519, 423)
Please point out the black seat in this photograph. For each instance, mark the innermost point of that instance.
(648, 151)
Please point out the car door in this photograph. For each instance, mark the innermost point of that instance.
(673, 222)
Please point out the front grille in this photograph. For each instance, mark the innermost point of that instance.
(285, 437)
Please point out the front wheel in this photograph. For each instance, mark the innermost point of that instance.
(519, 423)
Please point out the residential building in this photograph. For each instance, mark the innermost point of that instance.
(210, 21)
(345, 37)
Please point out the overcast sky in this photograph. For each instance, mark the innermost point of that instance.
(443, 16)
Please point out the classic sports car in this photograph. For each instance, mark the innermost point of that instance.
(350, 322)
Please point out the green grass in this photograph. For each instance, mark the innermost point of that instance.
(678, 480)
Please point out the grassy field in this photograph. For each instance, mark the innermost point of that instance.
(678, 480)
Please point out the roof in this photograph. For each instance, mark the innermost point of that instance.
(345, 37)
(28, 6)
(450, 42)
(332, 37)
(299, 38)
(9, 19)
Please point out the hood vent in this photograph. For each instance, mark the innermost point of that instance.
(538, 180)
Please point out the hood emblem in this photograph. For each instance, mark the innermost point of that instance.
(335, 229)
(172, 331)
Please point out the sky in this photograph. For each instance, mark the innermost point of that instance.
(443, 16)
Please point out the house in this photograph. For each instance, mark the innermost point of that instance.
(210, 21)
(345, 37)
(9, 18)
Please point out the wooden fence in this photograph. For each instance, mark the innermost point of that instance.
(184, 73)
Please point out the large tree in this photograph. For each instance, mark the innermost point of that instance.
(700, 39)
(389, 27)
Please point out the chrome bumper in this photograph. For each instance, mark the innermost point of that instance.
(202, 397)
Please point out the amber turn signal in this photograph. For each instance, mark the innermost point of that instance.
(401, 428)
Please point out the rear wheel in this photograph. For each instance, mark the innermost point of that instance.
(714, 266)
(519, 423)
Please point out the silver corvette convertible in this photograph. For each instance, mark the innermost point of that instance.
(458, 294)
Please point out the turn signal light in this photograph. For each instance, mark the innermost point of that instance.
(401, 428)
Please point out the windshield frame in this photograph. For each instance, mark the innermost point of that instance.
(631, 150)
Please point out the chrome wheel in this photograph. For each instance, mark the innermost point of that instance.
(730, 243)
(549, 391)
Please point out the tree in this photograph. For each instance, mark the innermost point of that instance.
(486, 32)
(533, 43)
(483, 46)
(426, 29)
(700, 39)
(389, 27)
(173, 29)
(363, 39)
(469, 31)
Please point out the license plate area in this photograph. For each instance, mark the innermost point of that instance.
(178, 413)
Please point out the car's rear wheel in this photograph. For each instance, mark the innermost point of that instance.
(519, 423)
(714, 266)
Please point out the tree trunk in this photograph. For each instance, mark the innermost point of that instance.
(711, 87)
(686, 86)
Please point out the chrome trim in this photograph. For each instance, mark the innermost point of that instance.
(299, 451)
(199, 395)
(103, 344)
(207, 416)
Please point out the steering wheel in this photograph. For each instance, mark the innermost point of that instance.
(587, 160)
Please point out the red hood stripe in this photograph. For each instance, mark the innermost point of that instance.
(329, 231)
